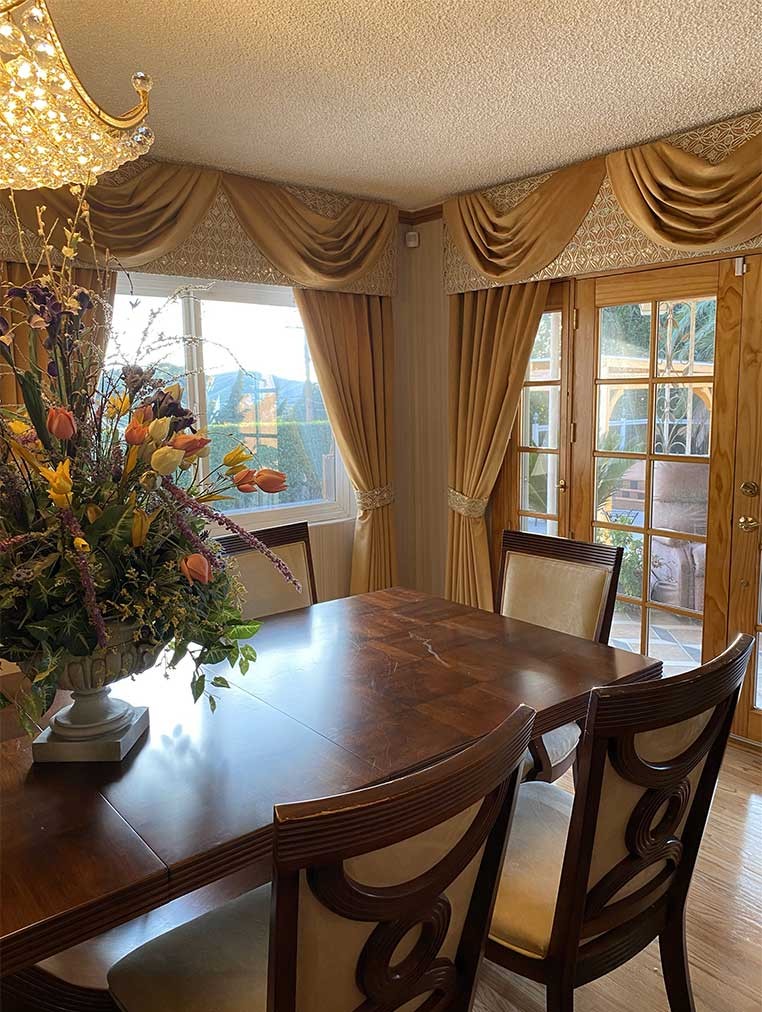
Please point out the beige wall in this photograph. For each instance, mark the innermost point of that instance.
(420, 411)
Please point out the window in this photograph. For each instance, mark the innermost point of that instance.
(242, 354)
(654, 392)
(540, 431)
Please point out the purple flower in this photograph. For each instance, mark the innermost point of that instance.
(83, 298)
(52, 369)
(15, 292)
(4, 326)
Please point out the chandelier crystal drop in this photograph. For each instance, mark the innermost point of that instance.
(51, 131)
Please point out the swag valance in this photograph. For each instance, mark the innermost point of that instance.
(677, 199)
(150, 215)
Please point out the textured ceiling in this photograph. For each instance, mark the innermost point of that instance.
(412, 100)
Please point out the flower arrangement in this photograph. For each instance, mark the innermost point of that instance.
(105, 517)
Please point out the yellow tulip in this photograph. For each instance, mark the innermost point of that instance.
(158, 430)
(166, 460)
(236, 459)
(60, 483)
(141, 521)
(175, 391)
(118, 405)
(81, 545)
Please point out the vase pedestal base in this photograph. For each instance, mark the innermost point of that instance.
(111, 746)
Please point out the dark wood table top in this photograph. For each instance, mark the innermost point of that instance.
(342, 695)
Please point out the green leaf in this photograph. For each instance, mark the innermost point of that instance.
(197, 687)
(213, 655)
(212, 703)
(30, 391)
(220, 683)
(248, 651)
(244, 632)
(243, 665)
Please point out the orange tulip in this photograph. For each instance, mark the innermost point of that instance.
(270, 480)
(188, 444)
(196, 568)
(143, 414)
(61, 423)
(244, 480)
(136, 433)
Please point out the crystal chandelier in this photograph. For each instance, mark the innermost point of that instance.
(51, 131)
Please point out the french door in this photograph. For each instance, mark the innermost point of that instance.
(640, 425)
(666, 456)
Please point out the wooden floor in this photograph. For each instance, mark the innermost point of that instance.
(724, 920)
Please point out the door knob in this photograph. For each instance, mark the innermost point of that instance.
(750, 488)
(748, 524)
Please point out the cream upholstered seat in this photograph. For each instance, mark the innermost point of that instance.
(526, 898)
(267, 593)
(215, 963)
(565, 585)
(354, 876)
(591, 880)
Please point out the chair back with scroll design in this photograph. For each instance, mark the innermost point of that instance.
(267, 593)
(648, 768)
(561, 584)
(385, 895)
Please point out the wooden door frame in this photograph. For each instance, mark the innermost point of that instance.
(744, 586)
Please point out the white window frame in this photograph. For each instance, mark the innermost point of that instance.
(344, 507)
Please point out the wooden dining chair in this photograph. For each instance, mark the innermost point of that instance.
(267, 593)
(590, 880)
(565, 585)
(379, 897)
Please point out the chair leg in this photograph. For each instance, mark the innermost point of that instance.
(674, 964)
(559, 996)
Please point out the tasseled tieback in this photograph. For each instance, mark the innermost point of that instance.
(465, 505)
(374, 498)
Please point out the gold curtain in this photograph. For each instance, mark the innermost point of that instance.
(153, 213)
(18, 274)
(684, 202)
(307, 246)
(352, 347)
(514, 244)
(491, 337)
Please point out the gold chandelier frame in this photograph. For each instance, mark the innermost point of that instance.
(130, 119)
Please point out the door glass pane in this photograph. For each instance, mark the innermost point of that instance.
(623, 418)
(538, 525)
(683, 418)
(539, 416)
(545, 360)
(675, 640)
(620, 490)
(685, 338)
(539, 476)
(631, 573)
(680, 494)
(624, 341)
(677, 573)
(625, 628)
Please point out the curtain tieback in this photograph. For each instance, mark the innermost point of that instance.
(374, 498)
(466, 505)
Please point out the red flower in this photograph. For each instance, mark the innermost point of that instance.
(61, 423)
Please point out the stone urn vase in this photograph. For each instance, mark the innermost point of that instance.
(96, 726)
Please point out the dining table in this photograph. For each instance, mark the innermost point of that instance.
(342, 695)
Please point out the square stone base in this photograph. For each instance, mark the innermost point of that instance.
(110, 748)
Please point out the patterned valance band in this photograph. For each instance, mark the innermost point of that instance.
(696, 193)
(374, 498)
(159, 207)
(465, 505)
